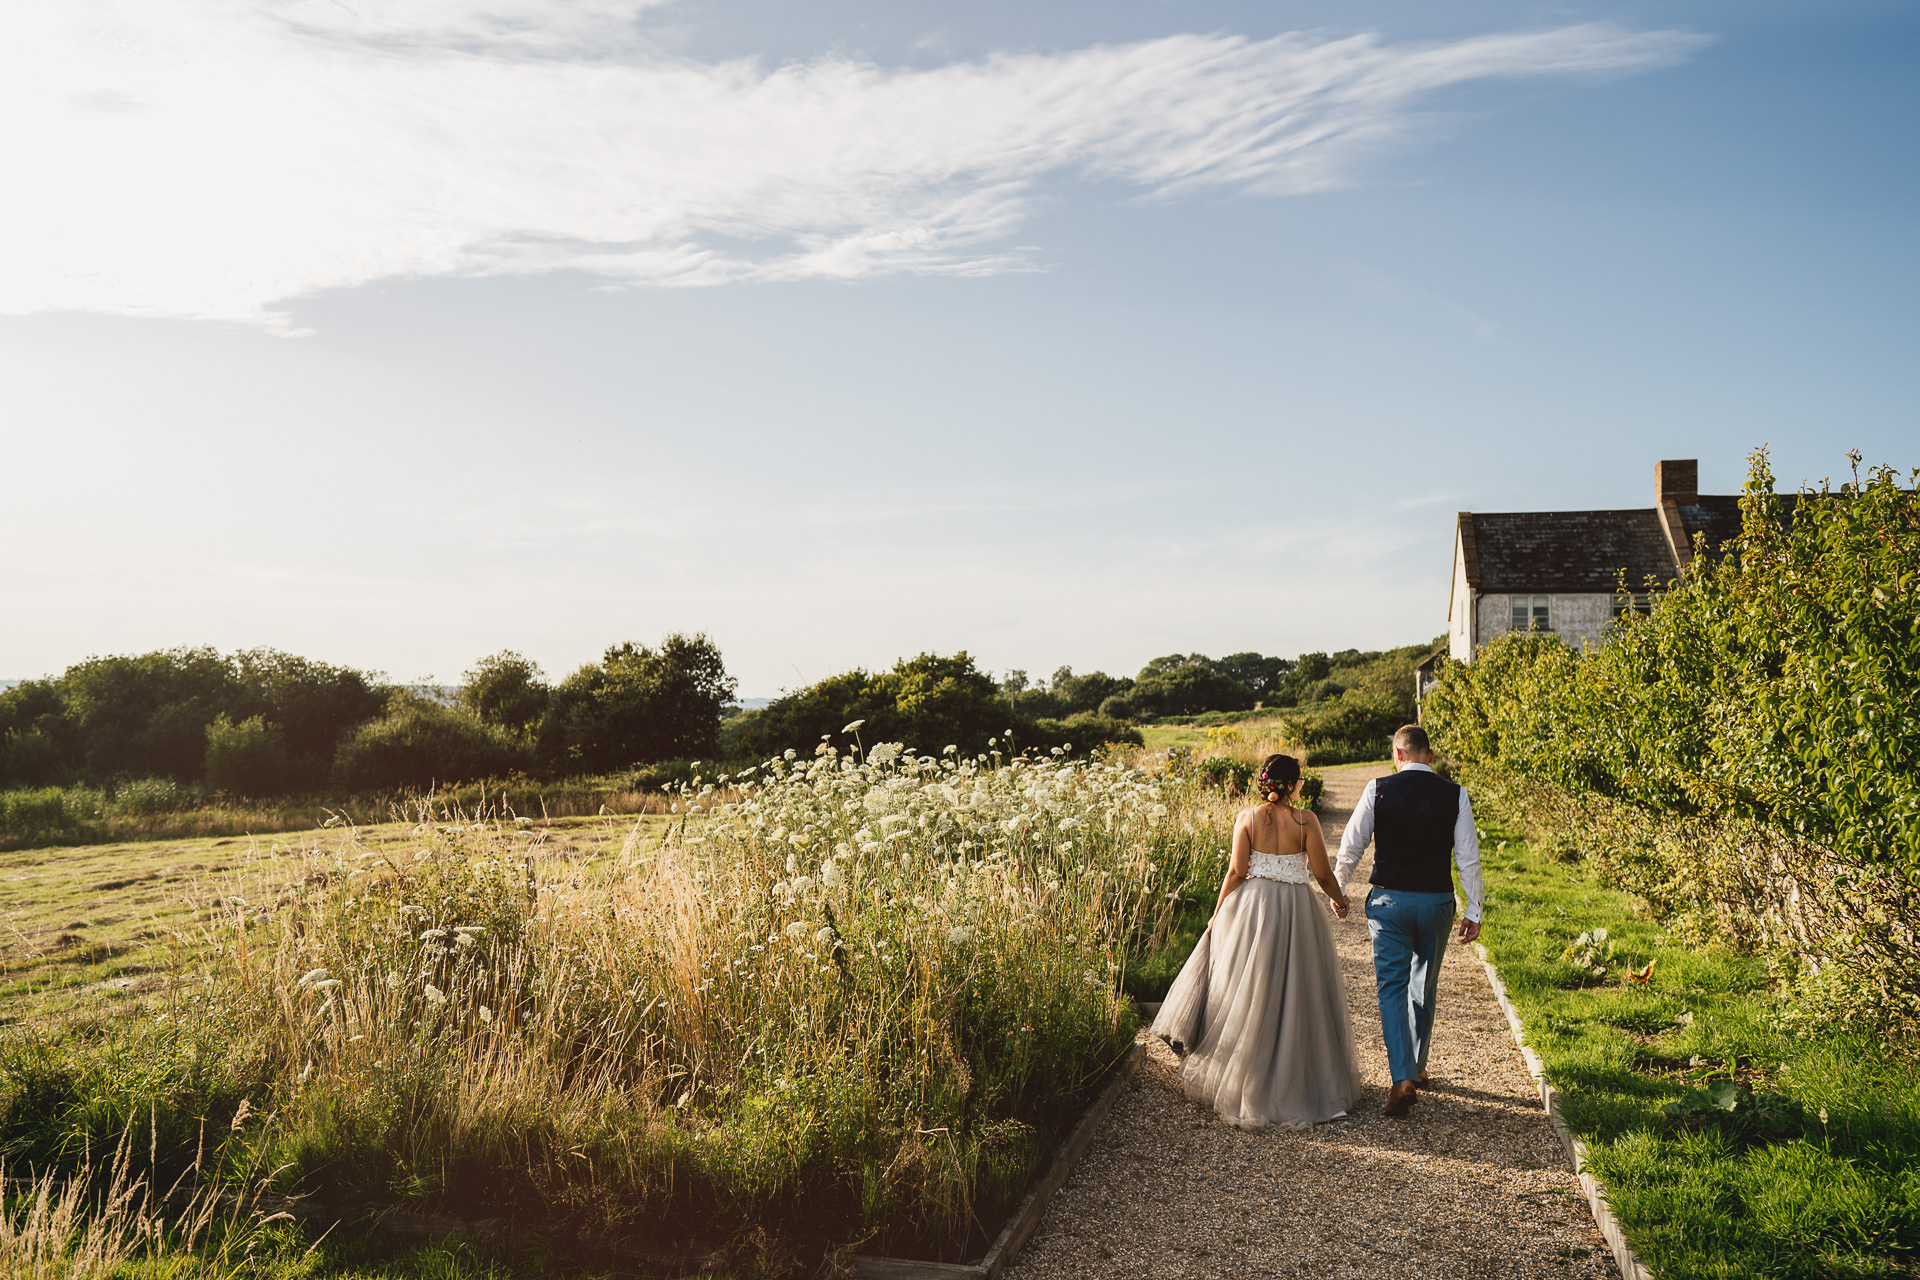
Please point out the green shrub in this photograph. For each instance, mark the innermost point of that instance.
(246, 759)
(1082, 732)
(637, 704)
(506, 690)
(1224, 773)
(30, 815)
(419, 744)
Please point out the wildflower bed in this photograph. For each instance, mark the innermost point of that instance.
(846, 1002)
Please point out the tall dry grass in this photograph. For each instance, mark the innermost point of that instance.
(842, 1001)
(108, 1222)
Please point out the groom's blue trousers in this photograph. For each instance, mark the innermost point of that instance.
(1409, 938)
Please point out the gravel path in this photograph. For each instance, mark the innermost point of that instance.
(1472, 1184)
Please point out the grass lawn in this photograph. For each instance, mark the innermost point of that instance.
(1833, 1190)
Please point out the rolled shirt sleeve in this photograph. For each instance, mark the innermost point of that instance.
(1466, 856)
(1353, 841)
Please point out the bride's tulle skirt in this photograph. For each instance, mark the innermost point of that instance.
(1260, 1012)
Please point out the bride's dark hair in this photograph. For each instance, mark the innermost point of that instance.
(1277, 777)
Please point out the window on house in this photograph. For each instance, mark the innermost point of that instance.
(1632, 602)
(1531, 612)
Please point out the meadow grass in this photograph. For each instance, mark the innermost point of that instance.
(103, 932)
(156, 809)
(1834, 1192)
(840, 1002)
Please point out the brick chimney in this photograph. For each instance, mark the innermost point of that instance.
(1678, 480)
(1676, 484)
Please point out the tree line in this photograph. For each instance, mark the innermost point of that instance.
(264, 723)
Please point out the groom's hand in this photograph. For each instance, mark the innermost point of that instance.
(1469, 930)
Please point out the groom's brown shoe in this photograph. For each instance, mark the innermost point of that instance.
(1401, 1100)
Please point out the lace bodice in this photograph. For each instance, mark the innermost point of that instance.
(1288, 868)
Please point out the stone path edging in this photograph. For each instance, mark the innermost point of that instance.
(1631, 1268)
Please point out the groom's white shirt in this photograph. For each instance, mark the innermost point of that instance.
(1466, 845)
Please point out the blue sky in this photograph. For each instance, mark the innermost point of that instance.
(399, 332)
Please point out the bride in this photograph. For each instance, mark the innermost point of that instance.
(1260, 1011)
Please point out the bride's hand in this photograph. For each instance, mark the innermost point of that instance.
(1340, 910)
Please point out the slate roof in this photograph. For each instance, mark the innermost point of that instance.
(1583, 552)
(1568, 551)
(1719, 518)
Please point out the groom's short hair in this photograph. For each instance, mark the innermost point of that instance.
(1412, 739)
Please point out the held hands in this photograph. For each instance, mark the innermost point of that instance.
(1469, 930)
(1340, 909)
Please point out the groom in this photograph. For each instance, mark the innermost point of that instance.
(1419, 823)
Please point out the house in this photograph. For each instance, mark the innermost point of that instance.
(1559, 571)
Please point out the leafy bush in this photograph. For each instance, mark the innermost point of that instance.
(1225, 773)
(928, 702)
(637, 704)
(419, 743)
(1183, 685)
(1747, 754)
(248, 758)
(1082, 731)
(31, 815)
(506, 690)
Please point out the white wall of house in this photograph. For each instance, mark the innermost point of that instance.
(1576, 618)
(1460, 610)
(1582, 619)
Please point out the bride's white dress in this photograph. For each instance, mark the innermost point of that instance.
(1260, 1010)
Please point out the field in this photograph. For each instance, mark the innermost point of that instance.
(845, 1003)
(103, 931)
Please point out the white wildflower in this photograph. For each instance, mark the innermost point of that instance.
(851, 727)
(831, 877)
(798, 930)
(486, 1015)
(959, 934)
(826, 935)
(1599, 935)
(435, 996)
(312, 976)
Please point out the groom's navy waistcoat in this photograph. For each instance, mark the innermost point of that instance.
(1413, 816)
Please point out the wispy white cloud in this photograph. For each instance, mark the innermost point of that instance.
(216, 158)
